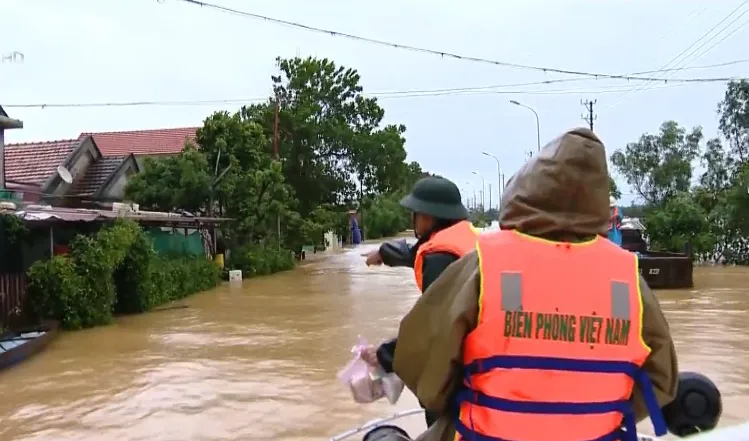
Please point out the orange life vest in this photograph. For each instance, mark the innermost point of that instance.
(558, 346)
(459, 239)
(614, 219)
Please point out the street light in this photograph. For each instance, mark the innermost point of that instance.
(468, 194)
(483, 189)
(538, 123)
(499, 179)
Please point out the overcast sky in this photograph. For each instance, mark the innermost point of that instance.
(79, 51)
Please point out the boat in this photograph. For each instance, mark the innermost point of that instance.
(17, 346)
(660, 269)
(371, 430)
(696, 409)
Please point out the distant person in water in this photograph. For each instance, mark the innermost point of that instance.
(444, 233)
(615, 222)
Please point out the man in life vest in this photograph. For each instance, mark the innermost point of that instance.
(546, 332)
(444, 234)
(615, 222)
(441, 225)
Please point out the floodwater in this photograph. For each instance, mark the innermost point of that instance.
(258, 361)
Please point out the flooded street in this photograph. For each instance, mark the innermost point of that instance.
(258, 361)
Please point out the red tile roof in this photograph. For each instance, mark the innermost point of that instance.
(143, 142)
(33, 162)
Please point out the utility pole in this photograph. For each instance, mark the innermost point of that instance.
(590, 117)
(490, 196)
(275, 153)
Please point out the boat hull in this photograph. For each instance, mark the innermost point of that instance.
(666, 270)
(17, 346)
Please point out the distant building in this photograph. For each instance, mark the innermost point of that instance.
(143, 143)
(99, 165)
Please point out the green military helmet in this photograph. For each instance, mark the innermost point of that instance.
(436, 197)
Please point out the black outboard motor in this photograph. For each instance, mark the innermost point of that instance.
(387, 433)
(696, 408)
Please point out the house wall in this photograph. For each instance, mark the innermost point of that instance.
(115, 189)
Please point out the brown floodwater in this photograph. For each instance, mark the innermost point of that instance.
(258, 360)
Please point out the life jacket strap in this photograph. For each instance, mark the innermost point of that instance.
(467, 394)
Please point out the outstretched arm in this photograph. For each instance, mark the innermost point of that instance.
(397, 253)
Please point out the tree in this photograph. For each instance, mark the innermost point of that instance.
(178, 182)
(333, 154)
(678, 223)
(659, 167)
(614, 189)
(332, 146)
(734, 118)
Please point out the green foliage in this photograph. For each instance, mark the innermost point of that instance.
(384, 217)
(614, 189)
(678, 223)
(176, 182)
(711, 216)
(175, 277)
(54, 292)
(12, 230)
(13, 234)
(334, 154)
(115, 271)
(660, 166)
(261, 260)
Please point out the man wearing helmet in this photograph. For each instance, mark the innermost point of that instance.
(444, 234)
(441, 226)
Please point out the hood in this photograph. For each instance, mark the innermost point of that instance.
(562, 192)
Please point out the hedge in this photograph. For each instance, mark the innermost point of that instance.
(114, 271)
(261, 259)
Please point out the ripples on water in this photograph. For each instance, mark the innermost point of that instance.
(258, 361)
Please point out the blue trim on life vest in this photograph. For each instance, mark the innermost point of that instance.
(557, 408)
(471, 435)
(562, 364)
(651, 403)
(482, 365)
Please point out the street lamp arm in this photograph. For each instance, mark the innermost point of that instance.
(499, 178)
(538, 121)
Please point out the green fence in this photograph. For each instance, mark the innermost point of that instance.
(175, 241)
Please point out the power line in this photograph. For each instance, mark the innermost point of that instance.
(741, 26)
(686, 59)
(443, 54)
(382, 95)
(680, 54)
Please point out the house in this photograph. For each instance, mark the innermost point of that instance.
(6, 123)
(99, 165)
(143, 143)
(40, 171)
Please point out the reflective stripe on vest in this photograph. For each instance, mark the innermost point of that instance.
(459, 239)
(558, 345)
(614, 219)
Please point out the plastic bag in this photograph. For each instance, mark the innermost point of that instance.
(368, 384)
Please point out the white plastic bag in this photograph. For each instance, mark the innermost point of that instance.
(368, 384)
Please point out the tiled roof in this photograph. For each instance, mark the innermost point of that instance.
(143, 142)
(32, 163)
(95, 176)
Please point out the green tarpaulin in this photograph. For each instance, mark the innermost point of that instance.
(176, 242)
